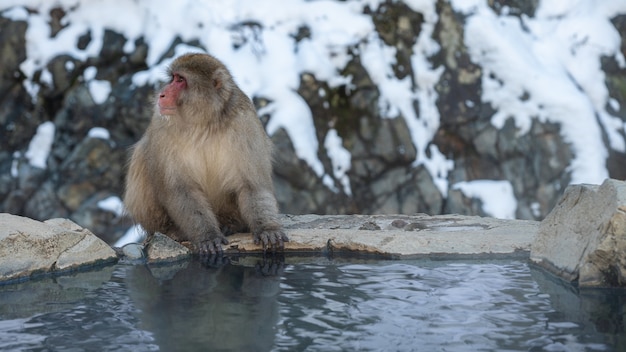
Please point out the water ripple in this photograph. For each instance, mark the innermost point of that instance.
(425, 306)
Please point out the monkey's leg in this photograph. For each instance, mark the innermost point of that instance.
(258, 208)
(192, 214)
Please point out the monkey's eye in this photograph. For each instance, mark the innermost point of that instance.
(178, 78)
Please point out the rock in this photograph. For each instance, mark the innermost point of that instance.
(458, 203)
(133, 251)
(29, 247)
(583, 239)
(162, 249)
(384, 175)
(443, 236)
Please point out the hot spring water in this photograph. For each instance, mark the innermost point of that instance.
(317, 305)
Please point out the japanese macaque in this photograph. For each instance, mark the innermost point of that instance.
(203, 168)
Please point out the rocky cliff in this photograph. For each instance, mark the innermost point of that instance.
(404, 111)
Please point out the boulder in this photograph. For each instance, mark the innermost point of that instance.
(162, 249)
(583, 239)
(29, 247)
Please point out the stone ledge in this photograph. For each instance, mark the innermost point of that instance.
(400, 236)
(583, 240)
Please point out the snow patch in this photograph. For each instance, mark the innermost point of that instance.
(340, 159)
(17, 13)
(15, 164)
(41, 144)
(112, 204)
(135, 234)
(497, 197)
(99, 90)
(99, 132)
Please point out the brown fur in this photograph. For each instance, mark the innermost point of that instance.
(206, 167)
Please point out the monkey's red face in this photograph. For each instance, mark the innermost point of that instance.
(168, 97)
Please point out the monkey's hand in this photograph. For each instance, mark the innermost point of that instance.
(274, 239)
(212, 246)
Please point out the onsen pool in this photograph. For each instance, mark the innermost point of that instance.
(318, 304)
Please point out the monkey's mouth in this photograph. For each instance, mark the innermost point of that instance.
(167, 111)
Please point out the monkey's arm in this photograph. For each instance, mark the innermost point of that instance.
(258, 208)
(194, 217)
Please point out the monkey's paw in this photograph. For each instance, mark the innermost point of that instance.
(212, 247)
(274, 239)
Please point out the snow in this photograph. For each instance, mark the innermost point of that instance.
(340, 159)
(554, 60)
(535, 208)
(112, 204)
(15, 164)
(397, 96)
(497, 196)
(99, 132)
(98, 89)
(15, 14)
(39, 147)
(134, 234)
(545, 67)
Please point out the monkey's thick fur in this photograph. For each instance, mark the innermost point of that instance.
(203, 168)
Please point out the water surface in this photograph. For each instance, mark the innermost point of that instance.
(318, 305)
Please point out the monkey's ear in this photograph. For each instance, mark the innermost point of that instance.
(217, 83)
(219, 77)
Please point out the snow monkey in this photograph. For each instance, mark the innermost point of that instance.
(203, 168)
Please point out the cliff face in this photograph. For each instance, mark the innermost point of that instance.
(406, 107)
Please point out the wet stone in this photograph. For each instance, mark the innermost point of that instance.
(133, 251)
(162, 249)
(415, 226)
(398, 223)
(369, 226)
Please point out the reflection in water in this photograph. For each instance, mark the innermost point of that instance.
(230, 307)
(319, 305)
(83, 312)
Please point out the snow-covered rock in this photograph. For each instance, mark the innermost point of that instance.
(378, 106)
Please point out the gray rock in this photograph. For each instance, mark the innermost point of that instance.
(400, 236)
(133, 251)
(458, 203)
(386, 236)
(44, 203)
(583, 239)
(162, 249)
(29, 247)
